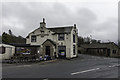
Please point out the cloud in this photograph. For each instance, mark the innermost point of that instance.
(23, 18)
(107, 30)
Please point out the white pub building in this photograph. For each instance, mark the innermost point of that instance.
(55, 42)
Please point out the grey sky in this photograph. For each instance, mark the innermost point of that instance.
(98, 19)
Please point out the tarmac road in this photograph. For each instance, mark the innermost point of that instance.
(85, 66)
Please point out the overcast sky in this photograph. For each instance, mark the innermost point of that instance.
(98, 18)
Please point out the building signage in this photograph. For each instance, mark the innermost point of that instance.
(20, 50)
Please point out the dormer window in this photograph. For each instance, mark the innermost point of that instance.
(60, 37)
(33, 38)
(42, 31)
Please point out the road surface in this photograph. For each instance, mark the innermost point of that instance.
(85, 66)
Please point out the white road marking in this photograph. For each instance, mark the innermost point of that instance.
(24, 66)
(74, 73)
(109, 66)
(114, 65)
(84, 71)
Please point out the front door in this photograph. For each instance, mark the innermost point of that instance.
(48, 50)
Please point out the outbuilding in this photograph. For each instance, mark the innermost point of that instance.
(6, 51)
(100, 49)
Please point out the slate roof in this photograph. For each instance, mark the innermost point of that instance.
(98, 45)
(66, 29)
(61, 29)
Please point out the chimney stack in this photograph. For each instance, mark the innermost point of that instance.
(43, 24)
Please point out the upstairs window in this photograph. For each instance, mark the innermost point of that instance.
(2, 50)
(73, 38)
(60, 37)
(42, 32)
(42, 36)
(33, 38)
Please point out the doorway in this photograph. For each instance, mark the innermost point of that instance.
(48, 50)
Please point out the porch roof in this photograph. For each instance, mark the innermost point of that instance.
(50, 41)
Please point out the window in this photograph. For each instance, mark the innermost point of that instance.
(42, 32)
(62, 51)
(73, 49)
(33, 38)
(61, 37)
(114, 51)
(2, 50)
(98, 51)
(42, 36)
(73, 38)
(87, 50)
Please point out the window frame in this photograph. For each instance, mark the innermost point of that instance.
(3, 50)
(73, 38)
(74, 50)
(114, 51)
(33, 39)
(61, 37)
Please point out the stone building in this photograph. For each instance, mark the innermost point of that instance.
(56, 41)
(100, 49)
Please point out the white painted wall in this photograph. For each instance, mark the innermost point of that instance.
(68, 42)
(9, 51)
(76, 41)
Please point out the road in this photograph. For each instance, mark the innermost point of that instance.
(85, 66)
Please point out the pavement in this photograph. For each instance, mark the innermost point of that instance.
(85, 66)
(9, 63)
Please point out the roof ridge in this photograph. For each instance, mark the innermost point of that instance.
(60, 27)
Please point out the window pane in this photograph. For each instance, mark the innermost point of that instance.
(73, 38)
(60, 36)
(2, 50)
(73, 49)
(33, 38)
